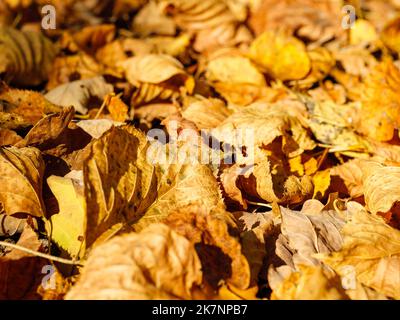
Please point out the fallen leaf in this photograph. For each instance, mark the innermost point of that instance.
(21, 272)
(69, 225)
(310, 283)
(282, 57)
(21, 176)
(308, 234)
(219, 251)
(380, 187)
(380, 89)
(78, 93)
(156, 263)
(371, 247)
(26, 56)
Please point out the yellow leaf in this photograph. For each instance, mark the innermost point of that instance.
(68, 226)
(283, 57)
(322, 181)
(380, 102)
(363, 32)
(391, 33)
(229, 292)
(310, 283)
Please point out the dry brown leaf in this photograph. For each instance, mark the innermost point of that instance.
(21, 273)
(21, 176)
(316, 21)
(156, 76)
(310, 233)
(29, 106)
(219, 250)
(372, 248)
(8, 137)
(351, 173)
(48, 129)
(390, 35)
(156, 263)
(216, 23)
(72, 68)
(119, 183)
(181, 185)
(78, 93)
(10, 225)
(380, 187)
(206, 113)
(26, 57)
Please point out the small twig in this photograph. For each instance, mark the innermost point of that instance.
(17, 20)
(259, 204)
(39, 254)
(322, 159)
(101, 108)
(106, 102)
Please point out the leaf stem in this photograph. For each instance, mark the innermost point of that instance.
(40, 254)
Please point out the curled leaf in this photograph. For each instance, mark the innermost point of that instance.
(21, 174)
(156, 263)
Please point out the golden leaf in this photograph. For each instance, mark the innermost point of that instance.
(380, 102)
(264, 122)
(156, 263)
(283, 57)
(216, 23)
(181, 185)
(310, 283)
(156, 76)
(390, 34)
(206, 113)
(21, 177)
(363, 32)
(119, 183)
(235, 77)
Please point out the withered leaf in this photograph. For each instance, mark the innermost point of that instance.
(21, 176)
(156, 263)
(78, 93)
(219, 250)
(371, 248)
(310, 283)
